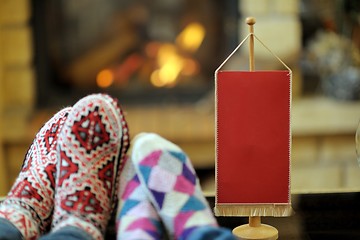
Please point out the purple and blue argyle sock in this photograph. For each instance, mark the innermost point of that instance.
(171, 185)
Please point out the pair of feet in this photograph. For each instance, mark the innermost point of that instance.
(77, 166)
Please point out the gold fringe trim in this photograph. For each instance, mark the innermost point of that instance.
(274, 210)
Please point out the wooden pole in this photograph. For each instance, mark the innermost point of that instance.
(251, 21)
(254, 230)
(253, 221)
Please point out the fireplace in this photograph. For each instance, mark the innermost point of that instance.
(143, 52)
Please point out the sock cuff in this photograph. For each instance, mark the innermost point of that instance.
(86, 227)
(21, 218)
(210, 232)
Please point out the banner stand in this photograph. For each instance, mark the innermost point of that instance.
(261, 169)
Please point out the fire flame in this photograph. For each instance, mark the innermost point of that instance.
(191, 37)
(172, 60)
(171, 63)
(105, 78)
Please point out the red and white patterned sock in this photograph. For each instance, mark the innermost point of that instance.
(29, 204)
(91, 149)
(171, 185)
(136, 218)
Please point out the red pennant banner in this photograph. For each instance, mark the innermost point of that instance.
(253, 138)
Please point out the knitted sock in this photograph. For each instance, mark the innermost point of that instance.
(136, 218)
(91, 149)
(29, 204)
(171, 185)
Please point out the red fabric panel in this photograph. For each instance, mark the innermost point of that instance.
(253, 124)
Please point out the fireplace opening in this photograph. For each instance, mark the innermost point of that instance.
(143, 52)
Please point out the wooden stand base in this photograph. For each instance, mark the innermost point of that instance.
(256, 230)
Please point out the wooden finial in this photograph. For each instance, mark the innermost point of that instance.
(250, 20)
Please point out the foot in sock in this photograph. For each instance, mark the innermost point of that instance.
(91, 149)
(136, 218)
(171, 185)
(29, 204)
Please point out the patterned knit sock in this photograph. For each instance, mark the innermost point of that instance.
(91, 149)
(137, 218)
(171, 184)
(29, 204)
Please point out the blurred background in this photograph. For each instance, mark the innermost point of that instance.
(158, 58)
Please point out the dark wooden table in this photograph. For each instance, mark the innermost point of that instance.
(317, 216)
